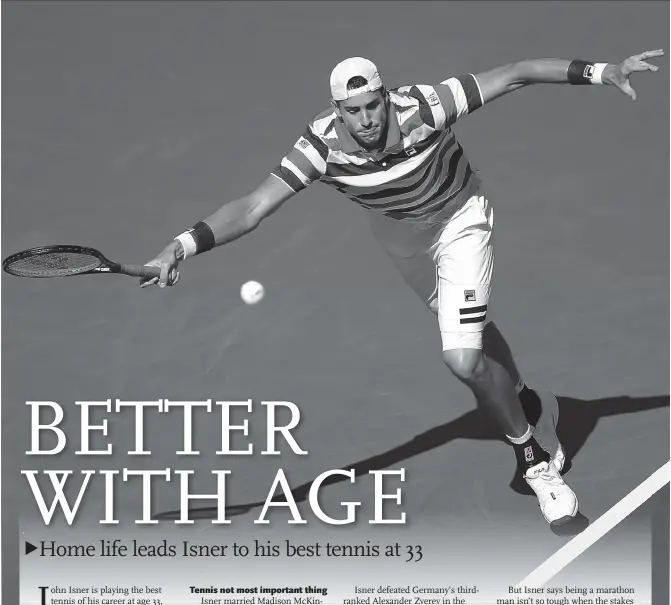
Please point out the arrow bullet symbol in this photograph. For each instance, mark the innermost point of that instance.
(30, 547)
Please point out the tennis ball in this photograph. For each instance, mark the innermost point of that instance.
(252, 292)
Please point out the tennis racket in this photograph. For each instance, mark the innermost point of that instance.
(64, 261)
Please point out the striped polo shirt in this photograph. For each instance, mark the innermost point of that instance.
(421, 174)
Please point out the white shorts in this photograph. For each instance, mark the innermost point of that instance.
(449, 266)
(464, 257)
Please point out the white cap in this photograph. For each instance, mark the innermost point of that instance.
(348, 69)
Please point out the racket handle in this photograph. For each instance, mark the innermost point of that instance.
(140, 270)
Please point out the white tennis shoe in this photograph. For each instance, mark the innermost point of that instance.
(557, 501)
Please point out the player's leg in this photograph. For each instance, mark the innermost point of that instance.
(541, 408)
(496, 347)
(410, 251)
(419, 271)
(464, 257)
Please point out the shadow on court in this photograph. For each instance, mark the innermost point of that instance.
(577, 420)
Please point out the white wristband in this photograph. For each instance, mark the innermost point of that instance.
(595, 78)
(188, 244)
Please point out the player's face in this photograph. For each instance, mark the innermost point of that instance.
(365, 117)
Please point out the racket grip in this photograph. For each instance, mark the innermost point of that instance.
(140, 270)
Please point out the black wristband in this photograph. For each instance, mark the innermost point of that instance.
(580, 72)
(204, 237)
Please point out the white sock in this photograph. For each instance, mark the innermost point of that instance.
(523, 438)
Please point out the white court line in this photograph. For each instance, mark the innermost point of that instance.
(596, 530)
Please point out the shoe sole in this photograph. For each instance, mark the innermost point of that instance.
(566, 518)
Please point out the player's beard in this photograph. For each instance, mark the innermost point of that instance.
(376, 144)
(369, 145)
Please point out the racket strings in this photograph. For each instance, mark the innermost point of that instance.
(54, 263)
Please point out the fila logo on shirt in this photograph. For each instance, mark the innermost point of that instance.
(433, 99)
(410, 152)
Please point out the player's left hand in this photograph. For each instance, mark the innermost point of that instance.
(618, 75)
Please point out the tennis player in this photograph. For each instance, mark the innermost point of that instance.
(393, 152)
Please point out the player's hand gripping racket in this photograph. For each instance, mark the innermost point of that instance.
(64, 261)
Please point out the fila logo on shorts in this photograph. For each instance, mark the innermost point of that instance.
(469, 295)
(422, 168)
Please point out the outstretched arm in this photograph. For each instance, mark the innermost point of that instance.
(233, 220)
(508, 78)
(304, 164)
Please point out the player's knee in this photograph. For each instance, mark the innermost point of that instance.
(468, 365)
(462, 354)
